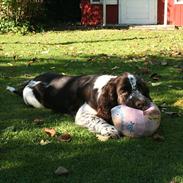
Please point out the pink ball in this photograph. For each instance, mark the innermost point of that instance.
(134, 122)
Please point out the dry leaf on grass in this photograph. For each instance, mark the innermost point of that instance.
(164, 63)
(29, 63)
(156, 84)
(61, 171)
(179, 70)
(38, 121)
(143, 70)
(10, 64)
(51, 68)
(179, 103)
(44, 142)
(50, 131)
(45, 52)
(158, 137)
(115, 67)
(155, 77)
(172, 114)
(102, 138)
(64, 137)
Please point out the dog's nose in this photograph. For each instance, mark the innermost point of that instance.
(141, 104)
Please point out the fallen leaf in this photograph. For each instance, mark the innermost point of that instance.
(10, 64)
(144, 70)
(38, 121)
(155, 77)
(158, 137)
(44, 142)
(45, 52)
(179, 70)
(179, 103)
(64, 137)
(163, 109)
(115, 67)
(175, 53)
(30, 63)
(164, 63)
(156, 84)
(163, 104)
(50, 131)
(170, 113)
(91, 59)
(61, 171)
(51, 68)
(102, 137)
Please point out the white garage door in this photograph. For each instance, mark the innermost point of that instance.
(138, 11)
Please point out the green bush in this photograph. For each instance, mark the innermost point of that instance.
(20, 15)
(11, 26)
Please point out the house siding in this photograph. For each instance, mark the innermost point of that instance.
(178, 15)
(175, 13)
(92, 14)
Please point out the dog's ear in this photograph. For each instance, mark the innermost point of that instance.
(106, 101)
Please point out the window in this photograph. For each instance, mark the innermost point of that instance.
(101, 1)
(95, 1)
(178, 1)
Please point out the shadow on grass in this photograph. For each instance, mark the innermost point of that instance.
(137, 160)
(77, 42)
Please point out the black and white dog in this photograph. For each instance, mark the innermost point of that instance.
(93, 95)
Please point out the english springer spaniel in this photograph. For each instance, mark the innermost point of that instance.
(93, 95)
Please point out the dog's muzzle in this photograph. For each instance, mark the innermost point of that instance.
(137, 100)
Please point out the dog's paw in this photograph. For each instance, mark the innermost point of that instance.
(110, 131)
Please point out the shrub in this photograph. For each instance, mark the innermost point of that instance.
(20, 15)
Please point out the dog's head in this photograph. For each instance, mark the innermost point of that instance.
(126, 89)
(132, 91)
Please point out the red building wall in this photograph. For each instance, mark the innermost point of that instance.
(178, 15)
(92, 14)
(175, 13)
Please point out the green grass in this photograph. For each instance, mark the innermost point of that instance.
(143, 160)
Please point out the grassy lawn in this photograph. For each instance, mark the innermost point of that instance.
(155, 55)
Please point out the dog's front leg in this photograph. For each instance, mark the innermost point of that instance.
(86, 117)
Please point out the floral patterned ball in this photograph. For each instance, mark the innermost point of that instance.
(134, 122)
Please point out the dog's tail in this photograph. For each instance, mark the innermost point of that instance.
(11, 89)
(19, 90)
(14, 90)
